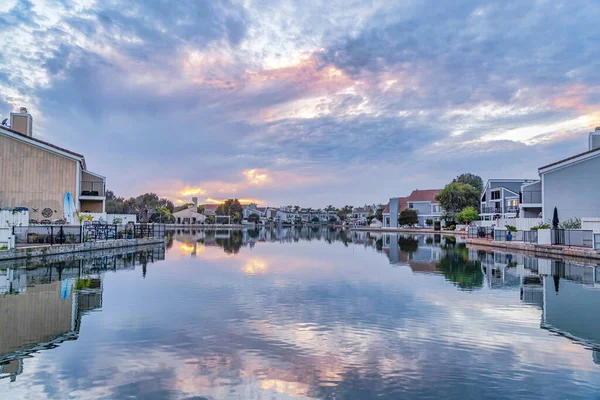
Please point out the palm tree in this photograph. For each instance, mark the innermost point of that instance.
(164, 212)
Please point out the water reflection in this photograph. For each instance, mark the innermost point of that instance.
(43, 305)
(317, 313)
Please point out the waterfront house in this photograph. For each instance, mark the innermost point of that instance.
(531, 200)
(250, 209)
(189, 216)
(37, 174)
(359, 214)
(500, 198)
(210, 210)
(572, 185)
(423, 201)
(427, 207)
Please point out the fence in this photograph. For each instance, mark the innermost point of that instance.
(91, 232)
(47, 234)
(572, 237)
(517, 236)
(480, 232)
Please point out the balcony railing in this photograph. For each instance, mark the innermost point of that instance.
(89, 188)
(532, 197)
(491, 210)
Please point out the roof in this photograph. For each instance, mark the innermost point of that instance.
(593, 152)
(423, 195)
(403, 205)
(27, 138)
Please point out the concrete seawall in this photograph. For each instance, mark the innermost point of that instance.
(415, 231)
(45, 251)
(538, 250)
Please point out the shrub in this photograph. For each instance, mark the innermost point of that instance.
(511, 228)
(408, 217)
(571, 223)
(540, 226)
(429, 222)
(467, 215)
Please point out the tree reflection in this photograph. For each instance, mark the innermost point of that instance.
(457, 268)
(408, 244)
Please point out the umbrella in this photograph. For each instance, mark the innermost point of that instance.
(555, 220)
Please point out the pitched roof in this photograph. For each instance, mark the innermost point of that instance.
(403, 205)
(27, 138)
(585, 153)
(423, 195)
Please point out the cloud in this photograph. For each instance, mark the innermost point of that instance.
(313, 96)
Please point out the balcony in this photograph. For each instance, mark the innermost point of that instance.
(92, 189)
(531, 197)
(491, 210)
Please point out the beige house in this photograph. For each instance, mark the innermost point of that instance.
(37, 175)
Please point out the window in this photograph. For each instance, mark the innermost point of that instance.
(495, 195)
(410, 205)
(513, 203)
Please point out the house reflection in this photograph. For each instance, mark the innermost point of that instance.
(42, 306)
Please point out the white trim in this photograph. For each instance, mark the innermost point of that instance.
(568, 163)
(92, 197)
(531, 183)
(93, 173)
(78, 186)
(27, 140)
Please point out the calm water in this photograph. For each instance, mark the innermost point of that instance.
(289, 314)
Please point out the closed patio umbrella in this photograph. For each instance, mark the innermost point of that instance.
(555, 220)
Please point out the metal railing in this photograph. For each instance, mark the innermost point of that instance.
(573, 237)
(531, 197)
(96, 231)
(90, 188)
(516, 236)
(47, 234)
(480, 232)
(491, 210)
(90, 232)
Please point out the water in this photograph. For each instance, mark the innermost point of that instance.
(288, 314)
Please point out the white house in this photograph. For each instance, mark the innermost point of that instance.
(572, 185)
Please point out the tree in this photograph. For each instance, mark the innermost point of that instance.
(253, 218)
(379, 213)
(200, 209)
(329, 208)
(457, 195)
(315, 220)
(467, 215)
(332, 220)
(229, 207)
(184, 207)
(471, 179)
(344, 212)
(165, 214)
(408, 217)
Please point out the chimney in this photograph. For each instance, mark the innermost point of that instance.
(22, 122)
(195, 201)
(594, 139)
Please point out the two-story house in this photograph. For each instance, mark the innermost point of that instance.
(501, 198)
(42, 176)
(422, 201)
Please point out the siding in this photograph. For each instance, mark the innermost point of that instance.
(573, 190)
(91, 206)
(34, 178)
(35, 316)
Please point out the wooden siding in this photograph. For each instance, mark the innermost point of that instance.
(94, 206)
(35, 316)
(34, 178)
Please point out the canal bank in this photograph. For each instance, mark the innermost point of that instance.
(30, 252)
(537, 250)
(412, 231)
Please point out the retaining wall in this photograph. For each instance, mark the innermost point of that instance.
(44, 251)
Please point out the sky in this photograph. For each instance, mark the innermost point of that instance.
(304, 103)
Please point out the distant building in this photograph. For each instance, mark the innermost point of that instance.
(423, 201)
(501, 198)
(37, 174)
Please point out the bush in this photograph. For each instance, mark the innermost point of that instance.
(450, 228)
(429, 222)
(408, 217)
(571, 223)
(467, 215)
(540, 226)
(315, 220)
(511, 228)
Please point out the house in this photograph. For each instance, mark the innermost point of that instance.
(427, 207)
(37, 174)
(423, 201)
(359, 214)
(572, 185)
(250, 209)
(531, 200)
(210, 210)
(500, 198)
(189, 216)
